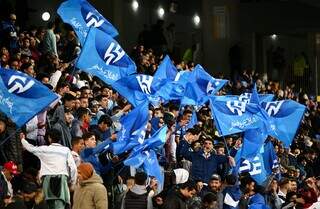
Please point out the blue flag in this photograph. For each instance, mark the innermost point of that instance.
(259, 166)
(81, 16)
(193, 121)
(192, 95)
(133, 129)
(22, 97)
(208, 84)
(103, 57)
(234, 116)
(284, 117)
(166, 71)
(245, 97)
(253, 140)
(145, 154)
(200, 86)
(137, 89)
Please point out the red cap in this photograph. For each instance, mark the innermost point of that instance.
(11, 167)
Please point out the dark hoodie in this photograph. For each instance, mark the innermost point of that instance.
(62, 127)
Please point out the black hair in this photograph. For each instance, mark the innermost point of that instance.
(82, 111)
(106, 119)
(87, 135)
(140, 178)
(76, 140)
(190, 185)
(68, 97)
(231, 179)
(51, 24)
(54, 135)
(209, 198)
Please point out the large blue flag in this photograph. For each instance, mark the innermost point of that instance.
(133, 129)
(284, 117)
(145, 155)
(103, 57)
(259, 166)
(81, 16)
(166, 71)
(235, 116)
(200, 86)
(208, 84)
(245, 97)
(137, 89)
(22, 97)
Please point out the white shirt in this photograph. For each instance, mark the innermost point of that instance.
(76, 157)
(9, 185)
(55, 160)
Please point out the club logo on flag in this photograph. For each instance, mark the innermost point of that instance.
(272, 108)
(245, 97)
(113, 54)
(210, 87)
(110, 51)
(236, 107)
(145, 82)
(20, 84)
(93, 20)
(254, 167)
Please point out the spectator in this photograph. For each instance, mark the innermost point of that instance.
(137, 197)
(50, 41)
(90, 193)
(55, 169)
(8, 171)
(77, 147)
(179, 198)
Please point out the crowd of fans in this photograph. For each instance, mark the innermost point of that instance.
(58, 160)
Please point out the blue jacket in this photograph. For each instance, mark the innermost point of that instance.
(257, 201)
(91, 155)
(202, 168)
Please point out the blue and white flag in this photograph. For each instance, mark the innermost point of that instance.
(200, 86)
(22, 97)
(103, 57)
(81, 16)
(133, 129)
(285, 117)
(137, 89)
(245, 97)
(145, 155)
(259, 166)
(208, 84)
(166, 71)
(234, 116)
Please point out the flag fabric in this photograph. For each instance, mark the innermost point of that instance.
(103, 57)
(193, 121)
(22, 97)
(208, 84)
(192, 95)
(285, 117)
(133, 129)
(200, 86)
(235, 116)
(259, 166)
(245, 97)
(137, 89)
(144, 154)
(253, 140)
(165, 72)
(81, 15)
